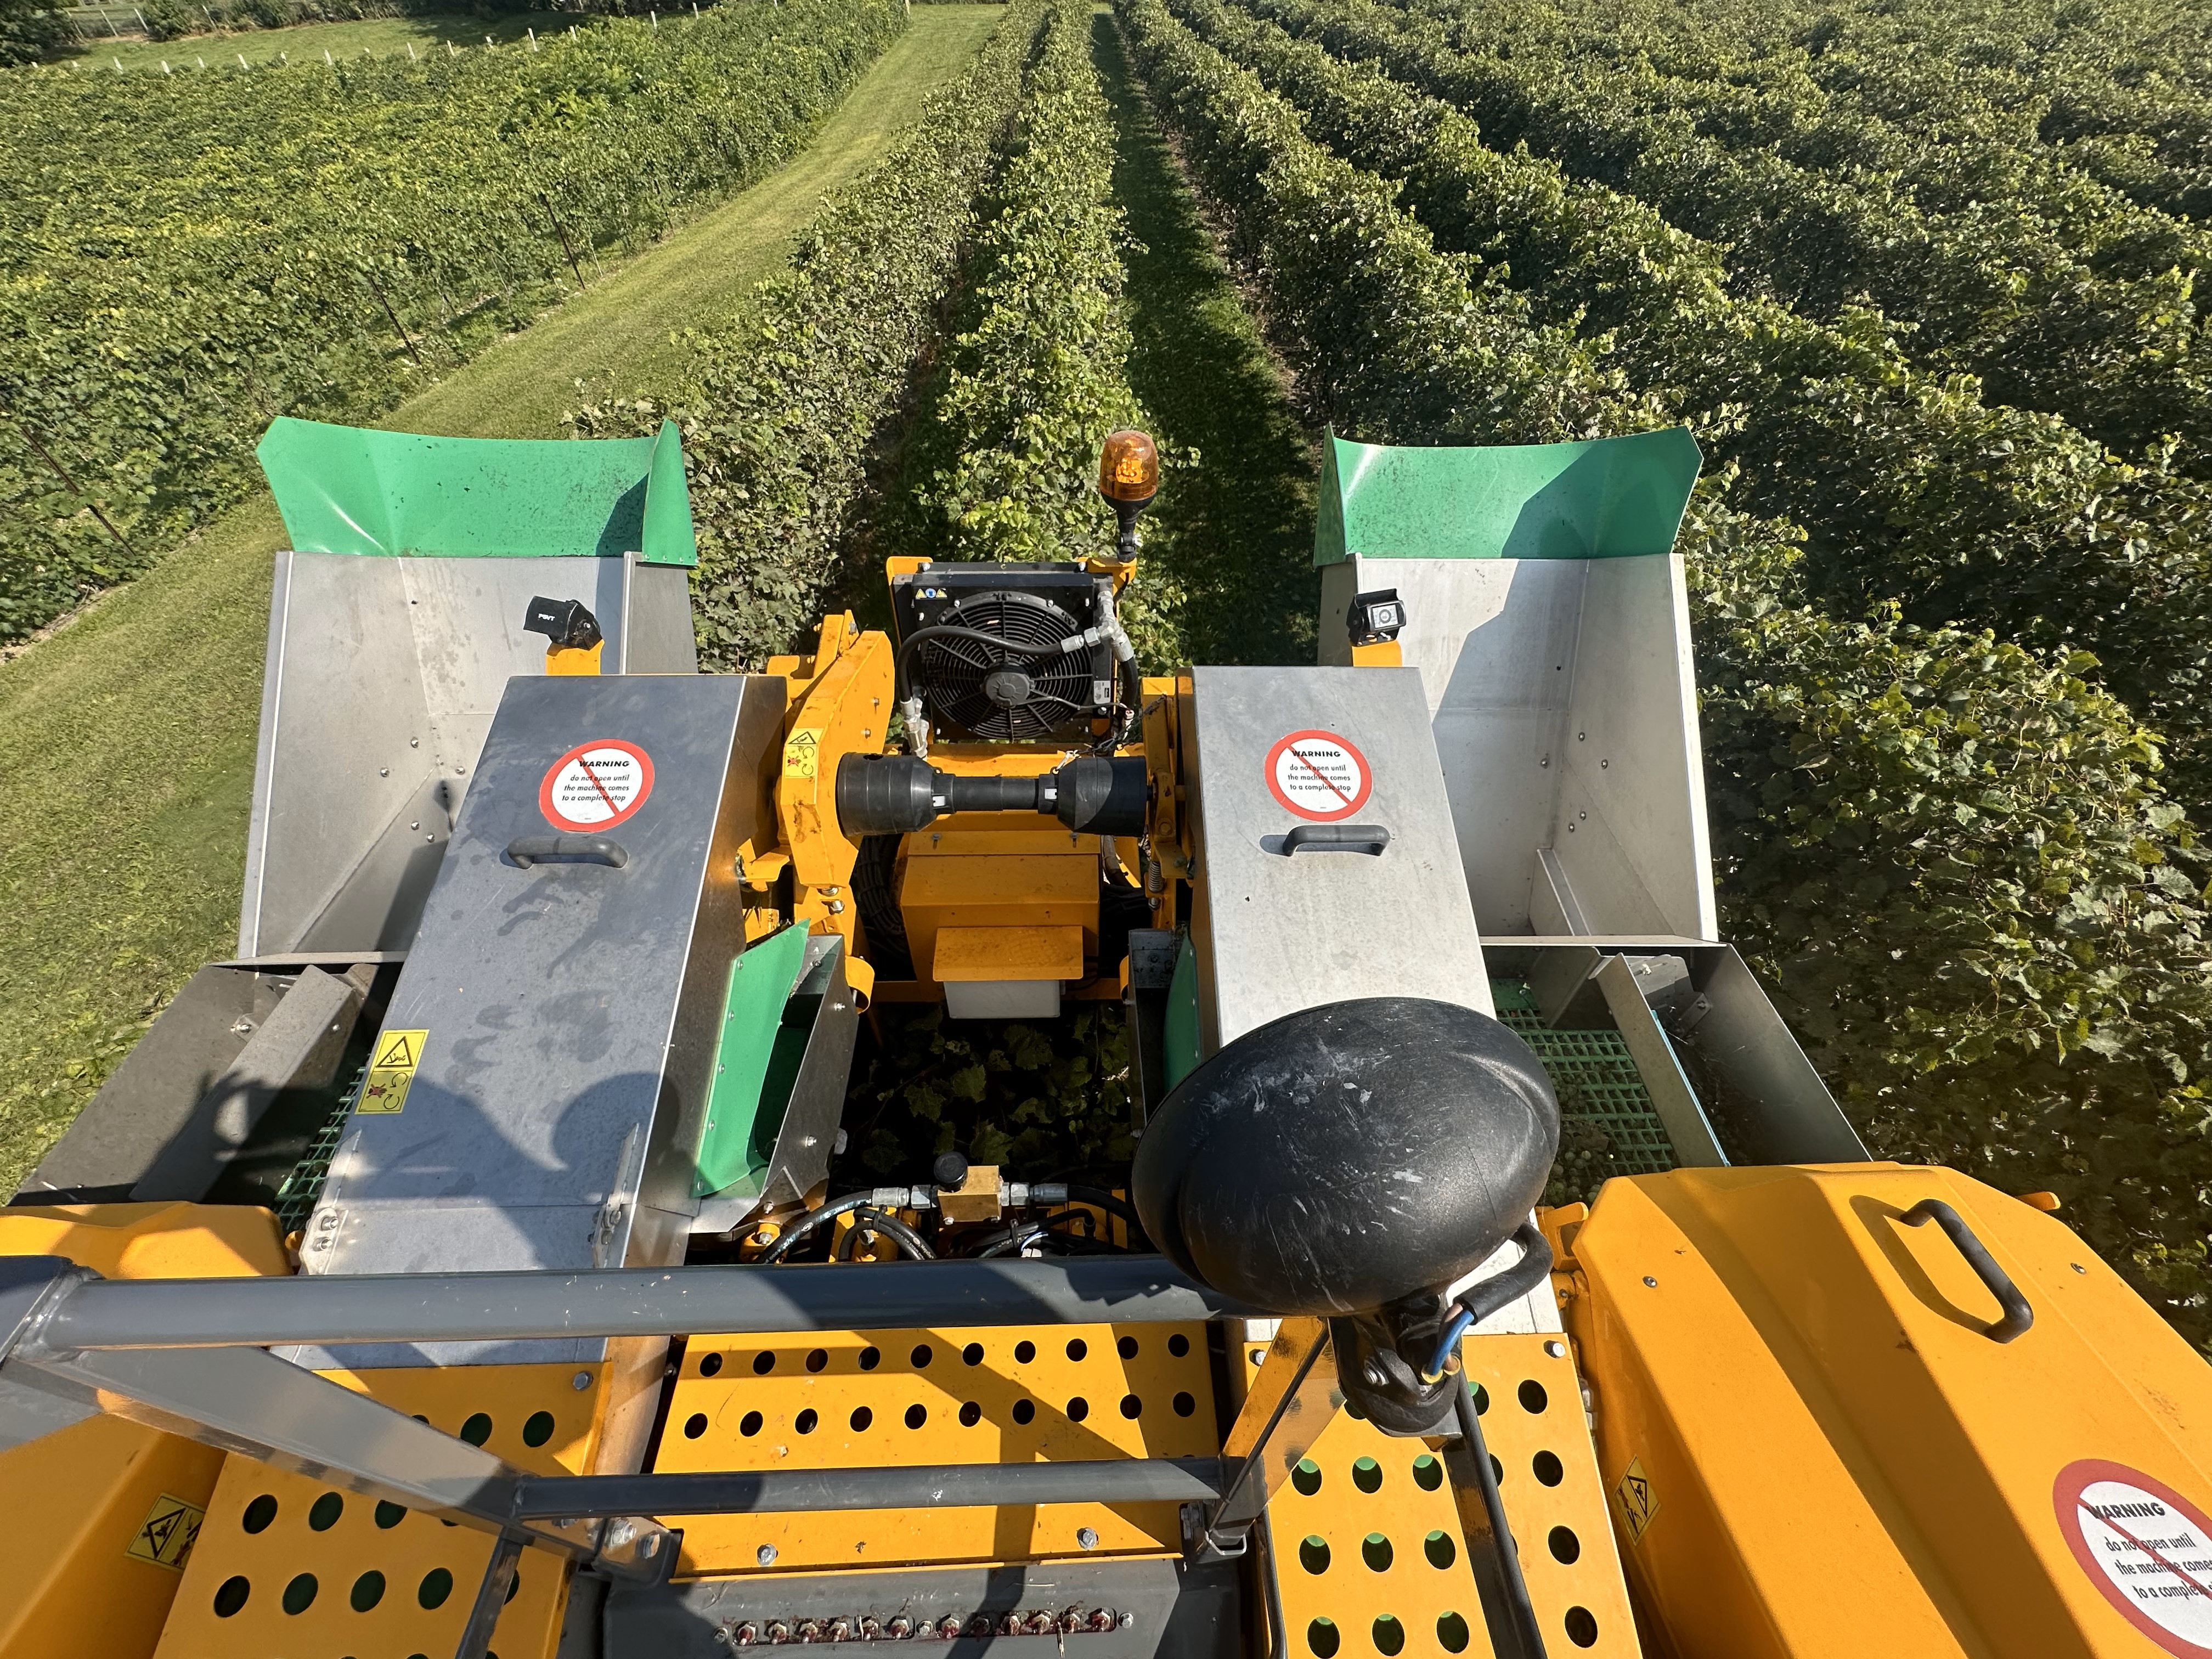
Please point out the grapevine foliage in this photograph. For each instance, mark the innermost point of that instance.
(1953, 855)
(183, 257)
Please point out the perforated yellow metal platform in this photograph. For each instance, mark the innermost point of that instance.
(286, 1566)
(870, 1399)
(1371, 1558)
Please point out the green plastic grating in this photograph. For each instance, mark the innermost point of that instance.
(1606, 1125)
(295, 1199)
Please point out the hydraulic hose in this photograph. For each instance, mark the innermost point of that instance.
(1099, 1198)
(867, 1219)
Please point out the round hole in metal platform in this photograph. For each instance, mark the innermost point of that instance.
(1178, 1345)
(749, 1424)
(538, 1430)
(818, 1359)
(1307, 1477)
(514, 1589)
(916, 1415)
(478, 1429)
(1352, 1410)
(1076, 1347)
(709, 1364)
(763, 1364)
(861, 1418)
(1313, 1554)
(299, 1594)
(972, 1354)
(971, 1414)
(324, 1514)
(1184, 1404)
(231, 1597)
(1533, 1397)
(1566, 1548)
(1547, 1467)
(922, 1354)
(1131, 1406)
(1582, 1627)
(871, 1357)
(389, 1516)
(1322, 1638)
(1452, 1633)
(1389, 1634)
(806, 1421)
(1024, 1410)
(367, 1590)
(694, 1425)
(1375, 1550)
(1024, 1352)
(1481, 1400)
(437, 1584)
(1428, 1473)
(259, 1514)
(1497, 1470)
(1440, 1549)
(1126, 1346)
(1077, 1409)
(1367, 1474)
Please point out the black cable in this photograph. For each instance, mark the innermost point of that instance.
(1099, 1198)
(1484, 1297)
(867, 1217)
(1518, 1608)
(813, 1221)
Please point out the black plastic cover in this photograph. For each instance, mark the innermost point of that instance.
(1345, 1156)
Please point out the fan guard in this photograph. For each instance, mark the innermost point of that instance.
(953, 672)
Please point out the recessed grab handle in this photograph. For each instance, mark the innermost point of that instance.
(1368, 838)
(2018, 1315)
(527, 850)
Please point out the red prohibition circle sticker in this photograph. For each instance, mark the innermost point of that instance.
(2146, 1548)
(1319, 776)
(596, 785)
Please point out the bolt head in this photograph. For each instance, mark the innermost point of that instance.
(765, 1555)
(580, 1381)
(1086, 1538)
(1557, 1350)
(1651, 1282)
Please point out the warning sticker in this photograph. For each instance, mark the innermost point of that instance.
(167, 1535)
(1638, 1502)
(596, 785)
(392, 1073)
(2146, 1546)
(1317, 774)
(802, 755)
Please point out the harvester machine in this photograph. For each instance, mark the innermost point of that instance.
(480, 1261)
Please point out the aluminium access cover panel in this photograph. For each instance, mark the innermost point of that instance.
(1272, 751)
(535, 1096)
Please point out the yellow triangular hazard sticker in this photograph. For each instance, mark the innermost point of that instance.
(399, 1051)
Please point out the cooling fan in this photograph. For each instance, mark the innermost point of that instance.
(1025, 691)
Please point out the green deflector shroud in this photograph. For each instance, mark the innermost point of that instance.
(756, 1063)
(352, 489)
(1609, 498)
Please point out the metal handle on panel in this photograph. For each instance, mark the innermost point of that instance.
(527, 850)
(2018, 1315)
(1368, 838)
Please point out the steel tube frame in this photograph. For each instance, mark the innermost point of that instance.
(779, 1300)
(922, 1486)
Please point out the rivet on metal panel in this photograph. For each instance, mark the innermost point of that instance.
(1650, 1281)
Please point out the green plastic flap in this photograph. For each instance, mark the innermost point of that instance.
(1609, 498)
(757, 1064)
(1179, 1035)
(354, 489)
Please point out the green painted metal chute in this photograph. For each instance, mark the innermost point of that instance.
(352, 489)
(756, 1063)
(1607, 498)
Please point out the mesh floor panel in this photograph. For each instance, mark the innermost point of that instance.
(1606, 1126)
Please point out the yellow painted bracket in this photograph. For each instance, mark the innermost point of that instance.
(841, 704)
